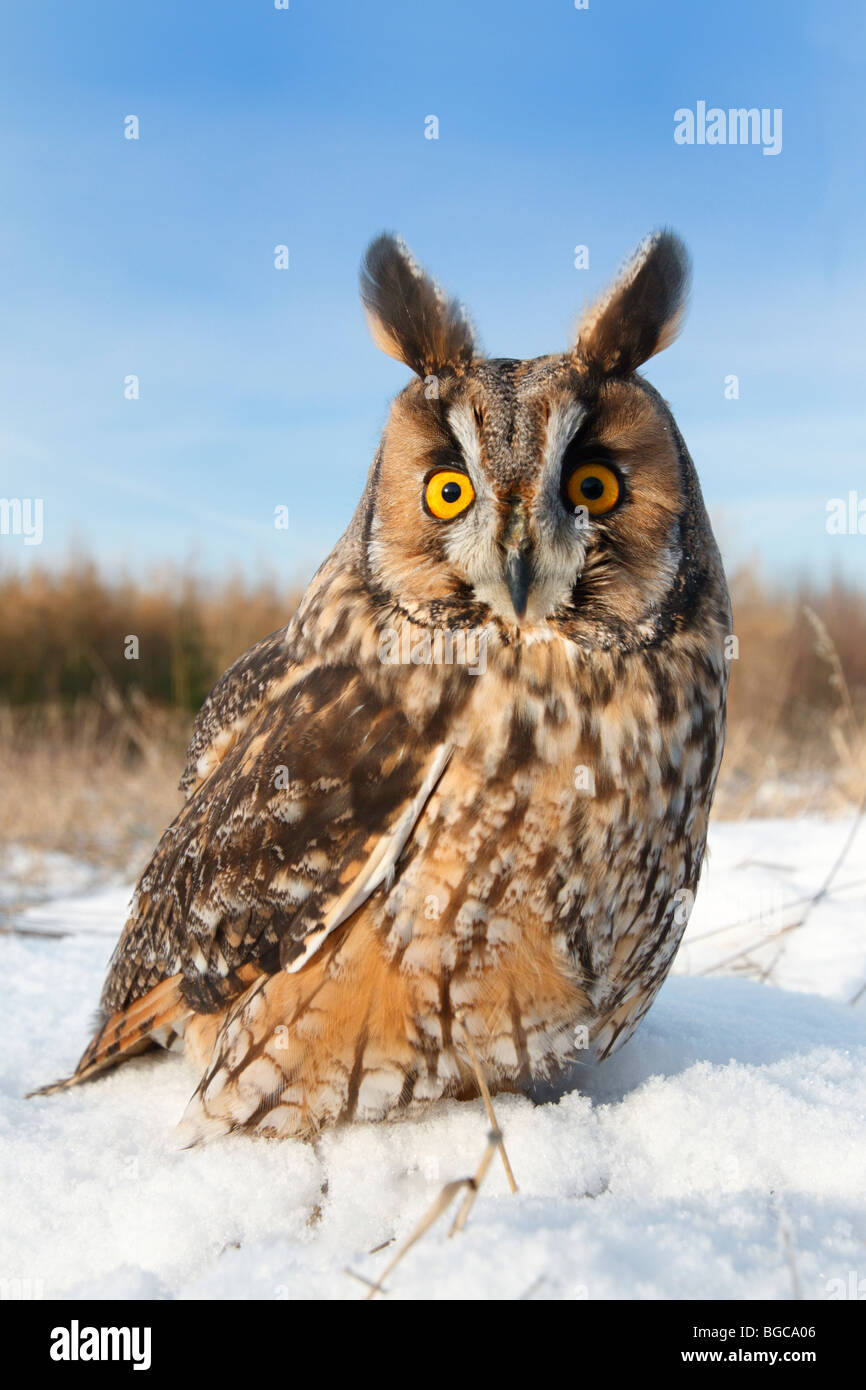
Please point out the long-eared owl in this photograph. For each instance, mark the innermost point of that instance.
(472, 775)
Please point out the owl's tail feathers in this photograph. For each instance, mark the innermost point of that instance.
(157, 1017)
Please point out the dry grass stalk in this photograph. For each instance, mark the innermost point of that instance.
(469, 1186)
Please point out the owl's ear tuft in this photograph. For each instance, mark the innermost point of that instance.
(409, 316)
(642, 311)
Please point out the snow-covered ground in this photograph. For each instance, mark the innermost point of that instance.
(722, 1153)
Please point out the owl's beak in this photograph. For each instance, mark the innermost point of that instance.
(517, 542)
(518, 574)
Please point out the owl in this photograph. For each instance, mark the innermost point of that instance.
(470, 780)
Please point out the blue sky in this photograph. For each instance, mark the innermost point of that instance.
(259, 127)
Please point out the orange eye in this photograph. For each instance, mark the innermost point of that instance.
(448, 493)
(594, 486)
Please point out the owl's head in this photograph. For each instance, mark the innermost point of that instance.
(551, 492)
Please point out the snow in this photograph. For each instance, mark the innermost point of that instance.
(722, 1153)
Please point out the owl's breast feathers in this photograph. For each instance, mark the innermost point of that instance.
(368, 846)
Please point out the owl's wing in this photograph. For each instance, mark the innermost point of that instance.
(315, 785)
(237, 694)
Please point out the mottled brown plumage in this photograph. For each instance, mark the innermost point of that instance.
(474, 772)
